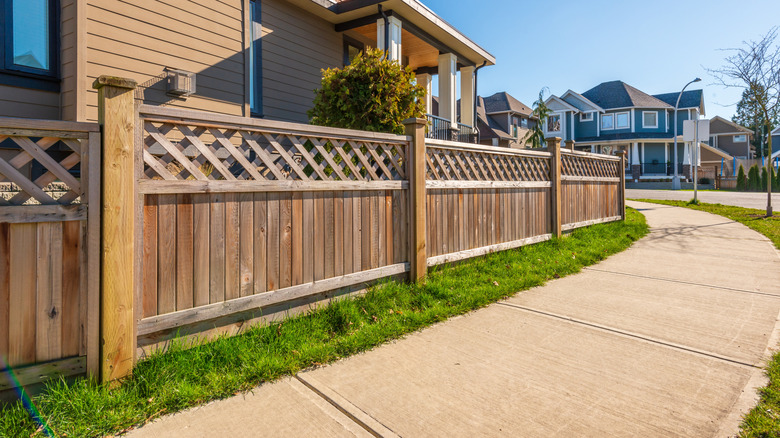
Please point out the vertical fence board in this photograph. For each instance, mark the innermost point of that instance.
(247, 244)
(357, 232)
(166, 255)
(319, 236)
(5, 287)
(201, 249)
(381, 234)
(232, 247)
(273, 248)
(184, 252)
(72, 273)
(365, 230)
(389, 242)
(348, 233)
(328, 234)
(260, 232)
(48, 294)
(21, 326)
(308, 237)
(149, 263)
(217, 249)
(297, 238)
(338, 234)
(285, 240)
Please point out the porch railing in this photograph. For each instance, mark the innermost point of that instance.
(661, 169)
(467, 134)
(439, 128)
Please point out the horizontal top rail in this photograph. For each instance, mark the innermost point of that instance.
(45, 128)
(164, 114)
(455, 145)
(590, 155)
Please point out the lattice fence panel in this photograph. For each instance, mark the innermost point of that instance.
(576, 165)
(445, 164)
(184, 151)
(40, 170)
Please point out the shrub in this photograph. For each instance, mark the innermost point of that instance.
(753, 179)
(372, 94)
(704, 181)
(741, 182)
(764, 179)
(775, 180)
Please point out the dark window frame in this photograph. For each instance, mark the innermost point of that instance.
(28, 77)
(349, 41)
(257, 53)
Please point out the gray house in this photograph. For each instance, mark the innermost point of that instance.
(503, 120)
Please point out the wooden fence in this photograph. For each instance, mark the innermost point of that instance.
(210, 222)
(49, 243)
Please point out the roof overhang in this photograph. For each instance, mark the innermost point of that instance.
(776, 131)
(729, 122)
(417, 18)
(562, 103)
(582, 99)
(716, 151)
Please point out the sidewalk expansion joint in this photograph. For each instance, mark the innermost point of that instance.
(378, 430)
(632, 335)
(692, 283)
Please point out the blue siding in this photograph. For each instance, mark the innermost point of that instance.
(616, 131)
(655, 153)
(585, 129)
(775, 143)
(681, 116)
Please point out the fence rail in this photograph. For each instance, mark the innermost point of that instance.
(214, 221)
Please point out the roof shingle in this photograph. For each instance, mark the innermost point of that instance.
(618, 94)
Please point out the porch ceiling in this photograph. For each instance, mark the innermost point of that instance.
(419, 53)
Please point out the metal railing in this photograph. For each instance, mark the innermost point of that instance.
(661, 169)
(439, 128)
(467, 134)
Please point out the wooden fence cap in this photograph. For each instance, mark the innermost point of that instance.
(114, 81)
(415, 121)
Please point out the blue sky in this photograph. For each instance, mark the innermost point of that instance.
(656, 46)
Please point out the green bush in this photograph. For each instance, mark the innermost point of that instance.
(372, 94)
(775, 180)
(741, 182)
(704, 181)
(753, 179)
(764, 179)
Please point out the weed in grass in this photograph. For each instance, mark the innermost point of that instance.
(181, 377)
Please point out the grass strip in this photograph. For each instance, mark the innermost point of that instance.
(180, 378)
(764, 419)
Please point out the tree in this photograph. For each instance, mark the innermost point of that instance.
(755, 67)
(535, 136)
(372, 94)
(754, 179)
(741, 183)
(749, 115)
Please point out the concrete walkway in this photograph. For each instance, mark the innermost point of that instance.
(665, 339)
(738, 199)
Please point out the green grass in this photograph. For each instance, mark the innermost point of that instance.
(763, 421)
(180, 378)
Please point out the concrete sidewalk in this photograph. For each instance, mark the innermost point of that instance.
(665, 339)
(737, 199)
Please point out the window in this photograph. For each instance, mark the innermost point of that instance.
(740, 138)
(351, 49)
(586, 117)
(649, 119)
(524, 123)
(622, 121)
(515, 123)
(608, 121)
(255, 60)
(554, 123)
(29, 53)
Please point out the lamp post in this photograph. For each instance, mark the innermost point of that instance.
(676, 180)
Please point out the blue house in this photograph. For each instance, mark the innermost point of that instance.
(614, 116)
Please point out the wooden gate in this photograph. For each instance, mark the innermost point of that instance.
(49, 244)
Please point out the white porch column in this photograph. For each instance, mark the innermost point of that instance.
(424, 80)
(467, 96)
(687, 153)
(394, 23)
(448, 68)
(635, 154)
(593, 149)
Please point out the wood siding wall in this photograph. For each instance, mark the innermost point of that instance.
(29, 103)
(297, 45)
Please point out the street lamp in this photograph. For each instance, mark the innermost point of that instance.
(676, 180)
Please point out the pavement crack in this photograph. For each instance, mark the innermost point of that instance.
(632, 335)
(692, 283)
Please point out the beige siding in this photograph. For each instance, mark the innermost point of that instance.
(29, 103)
(296, 46)
(139, 39)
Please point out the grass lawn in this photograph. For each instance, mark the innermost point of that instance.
(764, 419)
(180, 378)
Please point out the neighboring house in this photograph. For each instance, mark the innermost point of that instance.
(503, 120)
(258, 58)
(776, 142)
(731, 138)
(614, 116)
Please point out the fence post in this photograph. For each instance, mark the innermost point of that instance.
(554, 147)
(116, 115)
(569, 145)
(418, 257)
(622, 172)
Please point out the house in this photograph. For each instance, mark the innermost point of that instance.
(776, 142)
(731, 138)
(614, 116)
(259, 58)
(503, 120)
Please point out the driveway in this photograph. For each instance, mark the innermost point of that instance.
(664, 339)
(738, 199)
